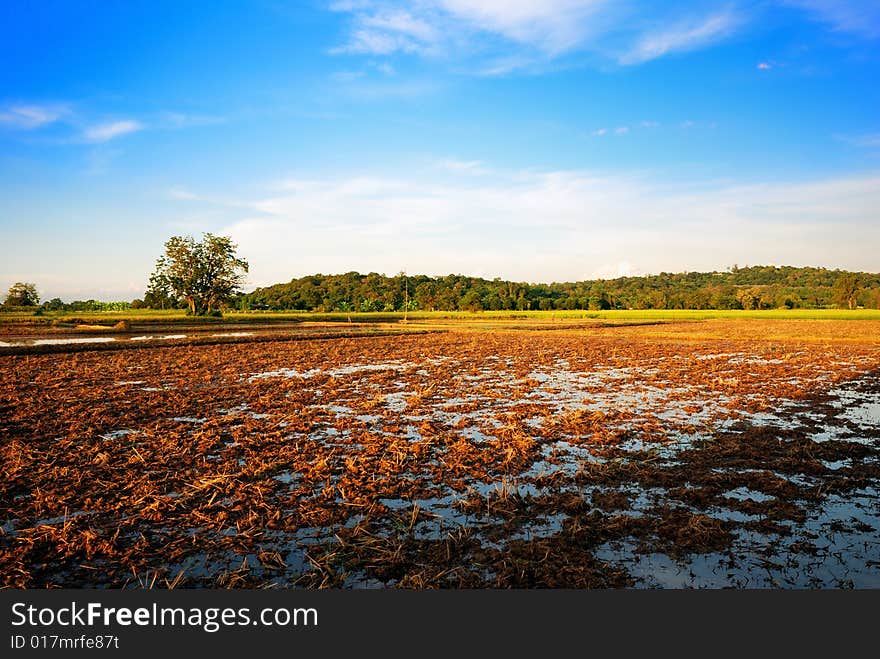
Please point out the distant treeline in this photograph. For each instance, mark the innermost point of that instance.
(57, 304)
(756, 287)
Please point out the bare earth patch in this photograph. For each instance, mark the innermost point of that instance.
(696, 455)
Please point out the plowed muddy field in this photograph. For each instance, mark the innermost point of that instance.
(718, 454)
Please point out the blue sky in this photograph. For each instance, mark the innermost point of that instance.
(537, 141)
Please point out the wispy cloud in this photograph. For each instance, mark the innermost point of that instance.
(473, 167)
(385, 68)
(367, 89)
(30, 116)
(685, 36)
(182, 194)
(764, 66)
(402, 23)
(865, 141)
(105, 132)
(553, 26)
(387, 30)
(346, 76)
(858, 17)
(503, 36)
(433, 27)
(504, 65)
(99, 159)
(83, 126)
(184, 120)
(620, 131)
(372, 42)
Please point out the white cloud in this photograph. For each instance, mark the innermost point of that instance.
(521, 225)
(764, 66)
(402, 22)
(29, 117)
(108, 131)
(384, 29)
(557, 225)
(600, 132)
(682, 37)
(621, 130)
(553, 26)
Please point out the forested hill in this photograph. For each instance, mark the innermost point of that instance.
(756, 287)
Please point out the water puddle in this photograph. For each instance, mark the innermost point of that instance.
(746, 494)
(61, 342)
(116, 434)
(112, 339)
(613, 444)
(333, 372)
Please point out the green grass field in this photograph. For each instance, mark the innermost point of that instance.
(149, 316)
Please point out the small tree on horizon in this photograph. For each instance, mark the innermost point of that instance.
(204, 274)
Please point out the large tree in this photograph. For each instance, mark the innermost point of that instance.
(203, 274)
(22, 294)
(846, 290)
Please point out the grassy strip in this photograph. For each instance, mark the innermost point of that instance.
(149, 316)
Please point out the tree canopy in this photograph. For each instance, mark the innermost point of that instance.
(846, 290)
(203, 274)
(22, 294)
(756, 287)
